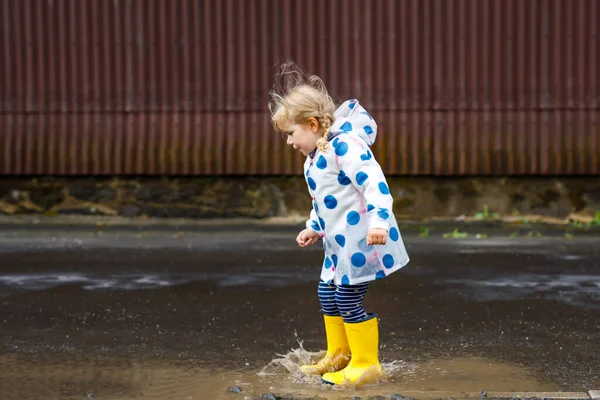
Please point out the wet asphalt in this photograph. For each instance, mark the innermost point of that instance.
(235, 299)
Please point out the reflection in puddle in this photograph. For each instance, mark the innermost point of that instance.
(150, 379)
(36, 282)
(580, 290)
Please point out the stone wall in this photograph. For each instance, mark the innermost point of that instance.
(415, 198)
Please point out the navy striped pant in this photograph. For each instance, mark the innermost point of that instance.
(344, 300)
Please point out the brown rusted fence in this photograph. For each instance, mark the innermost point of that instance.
(484, 87)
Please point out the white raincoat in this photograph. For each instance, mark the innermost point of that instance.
(350, 195)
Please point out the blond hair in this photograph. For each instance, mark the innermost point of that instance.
(296, 97)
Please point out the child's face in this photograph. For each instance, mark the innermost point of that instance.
(303, 137)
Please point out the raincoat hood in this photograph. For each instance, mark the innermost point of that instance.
(352, 117)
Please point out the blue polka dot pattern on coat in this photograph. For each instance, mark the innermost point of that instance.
(345, 280)
(341, 149)
(352, 105)
(353, 218)
(335, 141)
(346, 126)
(315, 226)
(341, 240)
(394, 234)
(383, 188)
(328, 263)
(388, 261)
(358, 260)
(324, 246)
(343, 179)
(361, 177)
(321, 162)
(368, 129)
(322, 222)
(335, 259)
(370, 207)
(311, 183)
(367, 156)
(383, 213)
(380, 274)
(330, 202)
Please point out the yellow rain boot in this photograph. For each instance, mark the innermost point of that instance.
(338, 351)
(364, 367)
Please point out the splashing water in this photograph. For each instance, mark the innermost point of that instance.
(295, 358)
(292, 362)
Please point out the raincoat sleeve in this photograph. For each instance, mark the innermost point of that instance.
(313, 222)
(359, 165)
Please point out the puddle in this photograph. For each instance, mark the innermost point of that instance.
(110, 379)
(580, 290)
(131, 282)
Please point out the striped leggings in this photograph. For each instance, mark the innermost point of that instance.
(344, 300)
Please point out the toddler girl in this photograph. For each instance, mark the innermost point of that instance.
(352, 214)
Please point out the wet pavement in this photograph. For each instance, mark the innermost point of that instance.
(187, 315)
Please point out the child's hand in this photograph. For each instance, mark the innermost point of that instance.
(307, 237)
(376, 236)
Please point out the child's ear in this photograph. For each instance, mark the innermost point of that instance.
(313, 124)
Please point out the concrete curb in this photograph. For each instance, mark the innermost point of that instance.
(497, 395)
(538, 395)
(447, 395)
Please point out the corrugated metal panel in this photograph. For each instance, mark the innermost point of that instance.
(180, 87)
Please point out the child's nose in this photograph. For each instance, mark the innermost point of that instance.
(289, 139)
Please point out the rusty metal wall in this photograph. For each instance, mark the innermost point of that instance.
(488, 87)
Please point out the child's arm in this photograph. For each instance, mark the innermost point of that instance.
(313, 222)
(356, 160)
